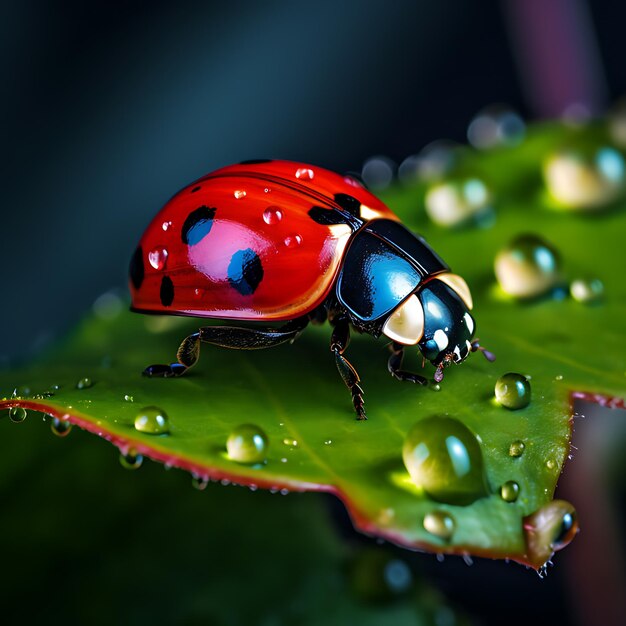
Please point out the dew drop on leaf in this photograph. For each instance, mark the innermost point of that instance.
(528, 267)
(440, 524)
(513, 391)
(60, 427)
(584, 179)
(455, 202)
(84, 383)
(131, 460)
(444, 458)
(509, 492)
(587, 291)
(247, 443)
(152, 420)
(516, 449)
(199, 482)
(548, 529)
(17, 414)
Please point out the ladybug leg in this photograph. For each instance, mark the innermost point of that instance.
(235, 337)
(395, 363)
(338, 343)
(242, 338)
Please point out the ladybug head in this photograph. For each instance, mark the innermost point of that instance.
(436, 318)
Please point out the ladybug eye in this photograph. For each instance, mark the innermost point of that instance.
(459, 286)
(406, 324)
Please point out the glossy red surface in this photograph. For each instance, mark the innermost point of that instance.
(260, 209)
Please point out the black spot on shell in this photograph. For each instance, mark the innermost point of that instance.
(167, 291)
(326, 217)
(137, 271)
(198, 225)
(245, 271)
(349, 204)
(254, 161)
(196, 189)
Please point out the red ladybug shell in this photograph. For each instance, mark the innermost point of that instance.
(239, 243)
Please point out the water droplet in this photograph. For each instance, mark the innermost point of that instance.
(328, 442)
(454, 202)
(272, 215)
(199, 482)
(131, 460)
(152, 420)
(378, 172)
(440, 524)
(247, 444)
(587, 291)
(84, 383)
(513, 391)
(434, 386)
(17, 414)
(528, 267)
(198, 293)
(494, 126)
(60, 427)
(293, 241)
(128, 398)
(516, 449)
(585, 178)
(551, 464)
(305, 173)
(445, 459)
(548, 529)
(166, 225)
(558, 377)
(292, 443)
(158, 258)
(239, 194)
(509, 491)
(267, 190)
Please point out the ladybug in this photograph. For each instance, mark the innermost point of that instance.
(281, 242)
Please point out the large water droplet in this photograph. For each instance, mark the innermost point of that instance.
(585, 178)
(587, 291)
(158, 258)
(509, 491)
(440, 524)
(455, 202)
(60, 427)
(444, 458)
(513, 391)
(305, 173)
(84, 383)
(152, 420)
(131, 460)
(528, 267)
(548, 529)
(17, 414)
(247, 443)
(272, 215)
(516, 449)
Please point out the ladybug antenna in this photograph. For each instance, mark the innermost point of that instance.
(490, 356)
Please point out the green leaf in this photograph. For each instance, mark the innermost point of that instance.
(293, 393)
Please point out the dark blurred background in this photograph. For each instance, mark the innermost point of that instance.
(108, 108)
